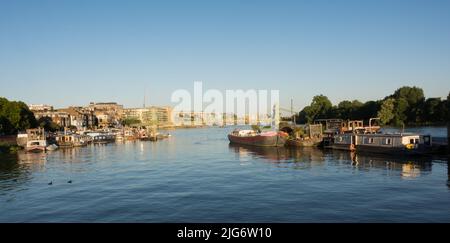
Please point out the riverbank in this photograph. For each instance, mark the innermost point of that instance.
(8, 148)
(8, 144)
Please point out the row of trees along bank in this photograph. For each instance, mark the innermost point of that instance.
(406, 106)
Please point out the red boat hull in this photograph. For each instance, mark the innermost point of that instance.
(277, 140)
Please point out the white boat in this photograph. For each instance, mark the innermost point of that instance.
(36, 146)
(35, 140)
(52, 147)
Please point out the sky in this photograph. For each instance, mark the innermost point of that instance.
(73, 52)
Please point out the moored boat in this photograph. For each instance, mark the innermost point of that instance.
(160, 136)
(265, 139)
(345, 141)
(36, 146)
(52, 147)
(303, 136)
(101, 137)
(33, 141)
(397, 143)
(304, 142)
(70, 140)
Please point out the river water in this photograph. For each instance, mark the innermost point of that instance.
(196, 176)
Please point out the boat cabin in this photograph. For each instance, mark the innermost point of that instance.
(390, 140)
(344, 141)
(244, 133)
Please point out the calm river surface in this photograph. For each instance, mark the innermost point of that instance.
(196, 176)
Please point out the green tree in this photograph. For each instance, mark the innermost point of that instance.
(386, 112)
(130, 121)
(344, 109)
(410, 100)
(432, 110)
(48, 124)
(413, 95)
(401, 106)
(320, 107)
(15, 116)
(348, 109)
(367, 110)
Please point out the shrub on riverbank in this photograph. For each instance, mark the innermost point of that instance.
(6, 147)
(15, 116)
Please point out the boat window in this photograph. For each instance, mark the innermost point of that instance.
(370, 140)
(388, 141)
(411, 141)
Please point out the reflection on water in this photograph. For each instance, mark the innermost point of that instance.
(197, 176)
(409, 167)
(16, 169)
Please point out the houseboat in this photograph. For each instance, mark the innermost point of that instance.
(256, 137)
(148, 134)
(101, 137)
(396, 143)
(70, 140)
(342, 135)
(130, 134)
(35, 140)
(36, 146)
(344, 141)
(265, 139)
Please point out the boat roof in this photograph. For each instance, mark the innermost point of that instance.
(390, 134)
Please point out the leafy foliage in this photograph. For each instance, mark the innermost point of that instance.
(319, 108)
(407, 105)
(48, 124)
(15, 116)
(130, 121)
(386, 112)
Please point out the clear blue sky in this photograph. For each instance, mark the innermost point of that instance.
(73, 52)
